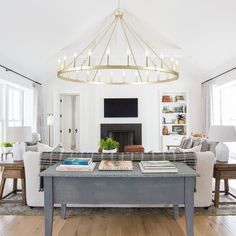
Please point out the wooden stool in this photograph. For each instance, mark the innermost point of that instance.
(13, 170)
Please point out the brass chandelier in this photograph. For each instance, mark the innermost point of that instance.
(103, 61)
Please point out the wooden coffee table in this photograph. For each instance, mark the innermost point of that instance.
(224, 171)
(13, 170)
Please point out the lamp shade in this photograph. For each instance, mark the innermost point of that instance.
(50, 120)
(19, 134)
(222, 133)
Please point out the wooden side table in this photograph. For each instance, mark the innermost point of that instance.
(13, 170)
(224, 171)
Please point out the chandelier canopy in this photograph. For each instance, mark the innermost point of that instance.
(107, 60)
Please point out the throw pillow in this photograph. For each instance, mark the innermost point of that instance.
(183, 141)
(193, 149)
(197, 142)
(205, 146)
(187, 143)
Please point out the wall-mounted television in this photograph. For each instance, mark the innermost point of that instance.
(120, 107)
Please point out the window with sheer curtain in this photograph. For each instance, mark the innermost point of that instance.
(224, 97)
(15, 106)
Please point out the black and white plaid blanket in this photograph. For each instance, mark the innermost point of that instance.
(48, 159)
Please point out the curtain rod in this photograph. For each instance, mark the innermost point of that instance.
(218, 75)
(13, 71)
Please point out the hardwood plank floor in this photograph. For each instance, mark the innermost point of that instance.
(118, 225)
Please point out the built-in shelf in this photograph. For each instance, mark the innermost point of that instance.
(172, 132)
(173, 124)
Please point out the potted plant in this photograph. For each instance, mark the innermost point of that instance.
(181, 119)
(6, 146)
(108, 145)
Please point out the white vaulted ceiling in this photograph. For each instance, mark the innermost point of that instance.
(33, 32)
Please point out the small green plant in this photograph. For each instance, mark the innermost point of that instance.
(180, 117)
(6, 144)
(108, 144)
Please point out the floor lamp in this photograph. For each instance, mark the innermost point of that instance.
(50, 122)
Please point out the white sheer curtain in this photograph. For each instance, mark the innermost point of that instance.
(38, 110)
(207, 106)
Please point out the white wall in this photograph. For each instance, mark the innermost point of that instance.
(91, 108)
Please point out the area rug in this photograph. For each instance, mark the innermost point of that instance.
(18, 209)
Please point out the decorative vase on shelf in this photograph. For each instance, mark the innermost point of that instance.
(165, 130)
(181, 122)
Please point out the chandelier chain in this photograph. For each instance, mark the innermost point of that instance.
(137, 39)
(130, 48)
(148, 46)
(106, 47)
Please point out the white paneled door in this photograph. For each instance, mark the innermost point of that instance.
(69, 121)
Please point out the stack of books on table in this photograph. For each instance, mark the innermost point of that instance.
(76, 164)
(157, 167)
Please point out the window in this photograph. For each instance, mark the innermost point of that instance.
(224, 98)
(15, 107)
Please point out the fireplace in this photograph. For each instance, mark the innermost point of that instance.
(125, 134)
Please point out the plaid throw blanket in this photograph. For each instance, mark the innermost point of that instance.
(48, 159)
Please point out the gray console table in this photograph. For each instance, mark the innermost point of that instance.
(126, 188)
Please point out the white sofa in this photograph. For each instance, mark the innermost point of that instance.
(202, 197)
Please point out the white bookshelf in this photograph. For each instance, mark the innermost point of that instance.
(173, 117)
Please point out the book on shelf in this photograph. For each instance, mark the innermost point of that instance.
(77, 161)
(116, 165)
(79, 168)
(157, 167)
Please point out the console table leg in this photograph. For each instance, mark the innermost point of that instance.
(189, 205)
(63, 211)
(48, 205)
(176, 212)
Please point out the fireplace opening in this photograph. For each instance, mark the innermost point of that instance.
(125, 134)
(123, 137)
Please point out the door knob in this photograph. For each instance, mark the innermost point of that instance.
(69, 131)
(76, 130)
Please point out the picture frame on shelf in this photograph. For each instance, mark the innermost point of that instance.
(179, 98)
(179, 129)
(179, 109)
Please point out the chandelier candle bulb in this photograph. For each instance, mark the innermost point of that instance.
(128, 53)
(108, 54)
(146, 55)
(64, 62)
(172, 62)
(177, 66)
(161, 59)
(74, 59)
(89, 57)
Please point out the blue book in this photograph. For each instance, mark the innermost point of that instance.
(77, 161)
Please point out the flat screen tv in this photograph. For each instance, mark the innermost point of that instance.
(120, 107)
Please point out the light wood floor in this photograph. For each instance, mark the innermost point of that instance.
(121, 225)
